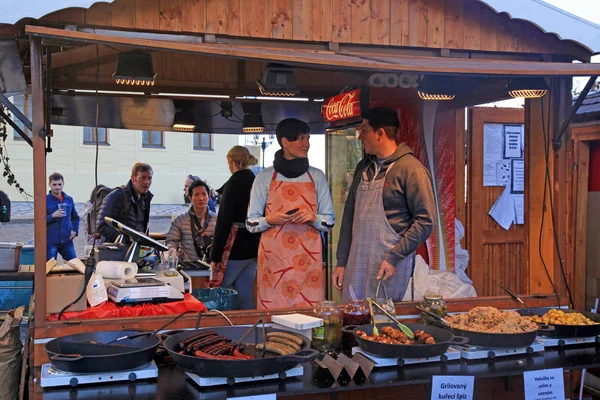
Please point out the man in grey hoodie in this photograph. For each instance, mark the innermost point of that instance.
(389, 212)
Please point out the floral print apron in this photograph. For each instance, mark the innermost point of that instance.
(290, 262)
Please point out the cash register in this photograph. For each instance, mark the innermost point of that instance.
(159, 286)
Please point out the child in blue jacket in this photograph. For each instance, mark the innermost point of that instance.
(62, 220)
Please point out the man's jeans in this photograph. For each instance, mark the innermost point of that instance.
(240, 275)
(66, 250)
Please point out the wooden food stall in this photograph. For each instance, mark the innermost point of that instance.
(220, 47)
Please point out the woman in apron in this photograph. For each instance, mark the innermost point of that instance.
(234, 249)
(291, 205)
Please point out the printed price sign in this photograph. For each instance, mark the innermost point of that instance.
(546, 384)
(452, 387)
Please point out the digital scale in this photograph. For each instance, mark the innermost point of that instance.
(219, 381)
(479, 352)
(162, 286)
(449, 355)
(52, 377)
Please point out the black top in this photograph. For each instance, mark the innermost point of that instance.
(234, 208)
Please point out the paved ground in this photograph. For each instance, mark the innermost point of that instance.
(20, 229)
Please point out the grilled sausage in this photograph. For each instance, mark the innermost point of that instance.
(236, 353)
(293, 345)
(193, 338)
(276, 348)
(201, 354)
(289, 336)
(204, 342)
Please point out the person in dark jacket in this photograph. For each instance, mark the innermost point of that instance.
(389, 212)
(62, 220)
(129, 204)
(234, 250)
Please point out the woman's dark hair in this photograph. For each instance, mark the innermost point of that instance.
(195, 184)
(291, 128)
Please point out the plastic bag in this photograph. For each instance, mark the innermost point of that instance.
(445, 283)
(11, 355)
(96, 290)
(461, 256)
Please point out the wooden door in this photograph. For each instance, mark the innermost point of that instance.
(496, 255)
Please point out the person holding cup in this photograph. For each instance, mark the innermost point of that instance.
(62, 220)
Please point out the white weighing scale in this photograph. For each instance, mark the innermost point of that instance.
(162, 287)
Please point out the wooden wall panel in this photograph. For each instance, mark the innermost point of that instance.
(73, 15)
(471, 25)
(303, 20)
(361, 21)
(194, 16)
(122, 14)
(216, 16)
(398, 23)
(417, 23)
(380, 22)
(281, 19)
(235, 18)
(98, 14)
(322, 14)
(146, 14)
(435, 23)
(453, 25)
(259, 12)
(170, 15)
(342, 21)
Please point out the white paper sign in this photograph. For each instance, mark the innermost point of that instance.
(492, 152)
(519, 208)
(503, 210)
(452, 387)
(546, 384)
(517, 176)
(503, 169)
(512, 141)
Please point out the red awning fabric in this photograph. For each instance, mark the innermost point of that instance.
(111, 310)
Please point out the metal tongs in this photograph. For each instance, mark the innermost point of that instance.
(517, 298)
(401, 326)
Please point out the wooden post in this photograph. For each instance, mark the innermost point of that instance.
(39, 179)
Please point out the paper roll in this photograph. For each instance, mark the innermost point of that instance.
(116, 269)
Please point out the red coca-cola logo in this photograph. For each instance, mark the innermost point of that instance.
(342, 106)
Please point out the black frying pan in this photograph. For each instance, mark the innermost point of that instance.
(271, 364)
(96, 358)
(443, 339)
(564, 331)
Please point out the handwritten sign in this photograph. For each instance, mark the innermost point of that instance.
(545, 384)
(452, 387)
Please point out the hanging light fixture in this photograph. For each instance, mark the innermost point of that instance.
(253, 122)
(527, 88)
(184, 119)
(278, 80)
(135, 68)
(437, 88)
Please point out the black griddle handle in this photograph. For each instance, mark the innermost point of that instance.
(66, 357)
(301, 356)
(459, 340)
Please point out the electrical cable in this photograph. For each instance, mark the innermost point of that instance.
(97, 112)
(547, 182)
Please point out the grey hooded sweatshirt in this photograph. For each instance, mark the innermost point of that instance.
(408, 202)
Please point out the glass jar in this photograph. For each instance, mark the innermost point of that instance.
(356, 313)
(433, 303)
(328, 336)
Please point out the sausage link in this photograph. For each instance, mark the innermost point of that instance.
(201, 354)
(289, 336)
(289, 343)
(276, 348)
(236, 353)
(205, 342)
(193, 338)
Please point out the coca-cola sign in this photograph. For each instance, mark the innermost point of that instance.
(343, 106)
